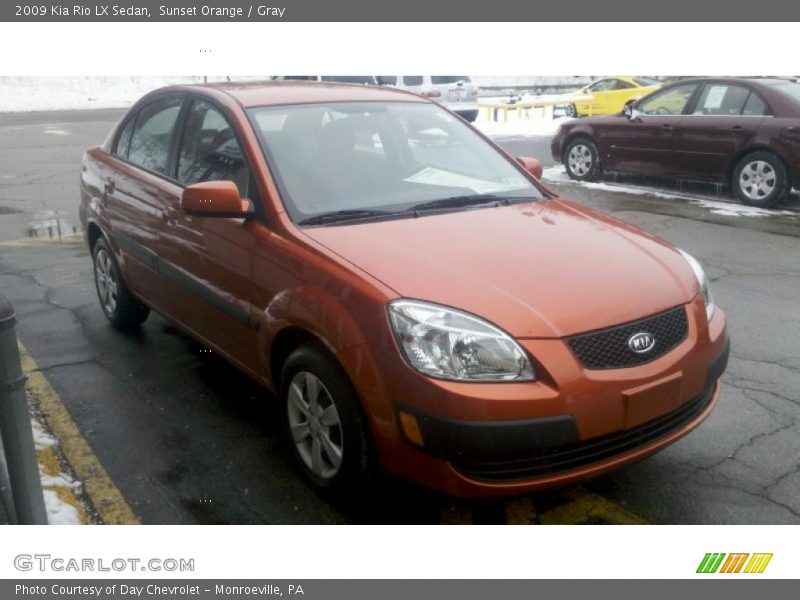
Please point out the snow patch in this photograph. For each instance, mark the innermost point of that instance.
(56, 131)
(557, 174)
(41, 438)
(58, 511)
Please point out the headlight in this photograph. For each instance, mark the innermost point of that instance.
(450, 344)
(705, 287)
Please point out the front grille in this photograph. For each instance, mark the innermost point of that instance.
(572, 456)
(609, 349)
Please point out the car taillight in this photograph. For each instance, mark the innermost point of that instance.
(432, 94)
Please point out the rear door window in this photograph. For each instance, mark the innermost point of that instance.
(722, 100)
(152, 134)
(755, 106)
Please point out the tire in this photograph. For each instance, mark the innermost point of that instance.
(318, 431)
(120, 307)
(760, 179)
(582, 160)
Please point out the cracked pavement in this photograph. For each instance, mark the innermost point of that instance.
(187, 439)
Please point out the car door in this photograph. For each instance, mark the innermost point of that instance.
(724, 121)
(644, 143)
(134, 186)
(207, 261)
(599, 92)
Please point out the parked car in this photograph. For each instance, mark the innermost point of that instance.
(355, 79)
(456, 92)
(611, 94)
(414, 297)
(740, 132)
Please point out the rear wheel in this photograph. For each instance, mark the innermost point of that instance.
(324, 422)
(118, 304)
(760, 179)
(582, 160)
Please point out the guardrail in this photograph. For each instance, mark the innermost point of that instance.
(494, 109)
(19, 469)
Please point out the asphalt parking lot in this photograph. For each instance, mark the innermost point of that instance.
(185, 438)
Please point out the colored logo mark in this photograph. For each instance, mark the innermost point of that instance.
(742, 562)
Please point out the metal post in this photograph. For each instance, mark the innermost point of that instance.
(15, 427)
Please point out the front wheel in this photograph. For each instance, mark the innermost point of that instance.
(118, 304)
(324, 422)
(582, 160)
(760, 179)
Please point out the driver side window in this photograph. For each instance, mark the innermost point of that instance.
(669, 102)
(209, 150)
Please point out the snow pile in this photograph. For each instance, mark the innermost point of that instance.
(533, 121)
(557, 174)
(59, 488)
(23, 94)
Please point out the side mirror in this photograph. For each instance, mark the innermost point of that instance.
(630, 111)
(532, 165)
(214, 199)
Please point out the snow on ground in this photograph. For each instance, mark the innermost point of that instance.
(60, 488)
(24, 94)
(557, 174)
(531, 121)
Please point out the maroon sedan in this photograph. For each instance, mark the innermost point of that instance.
(741, 132)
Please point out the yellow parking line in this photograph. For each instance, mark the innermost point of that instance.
(520, 512)
(101, 491)
(585, 507)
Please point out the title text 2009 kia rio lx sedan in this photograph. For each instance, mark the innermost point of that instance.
(415, 298)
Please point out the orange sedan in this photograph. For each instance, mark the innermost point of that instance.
(415, 298)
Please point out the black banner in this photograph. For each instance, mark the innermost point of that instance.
(408, 10)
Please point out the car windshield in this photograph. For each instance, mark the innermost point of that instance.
(350, 158)
(788, 88)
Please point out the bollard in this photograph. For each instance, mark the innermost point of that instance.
(15, 428)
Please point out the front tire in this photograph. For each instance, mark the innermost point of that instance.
(760, 179)
(119, 306)
(582, 160)
(324, 423)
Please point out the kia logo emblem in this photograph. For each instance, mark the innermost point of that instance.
(641, 342)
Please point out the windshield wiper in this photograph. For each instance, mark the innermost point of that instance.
(463, 201)
(350, 214)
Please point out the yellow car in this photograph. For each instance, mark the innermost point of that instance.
(611, 94)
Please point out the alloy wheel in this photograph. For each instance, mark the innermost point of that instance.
(106, 276)
(758, 180)
(314, 424)
(580, 160)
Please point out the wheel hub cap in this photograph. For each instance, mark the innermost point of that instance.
(315, 425)
(580, 160)
(757, 180)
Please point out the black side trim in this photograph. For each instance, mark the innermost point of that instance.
(137, 251)
(185, 280)
(470, 440)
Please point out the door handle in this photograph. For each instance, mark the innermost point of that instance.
(737, 129)
(666, 127)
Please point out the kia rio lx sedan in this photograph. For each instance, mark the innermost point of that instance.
(417, 301)
(743, 133)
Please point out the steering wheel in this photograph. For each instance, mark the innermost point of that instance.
(663, 110)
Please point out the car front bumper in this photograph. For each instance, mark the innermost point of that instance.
(572, 424)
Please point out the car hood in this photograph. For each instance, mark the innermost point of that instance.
(538, 270)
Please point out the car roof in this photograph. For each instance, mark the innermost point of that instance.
(269, 93)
